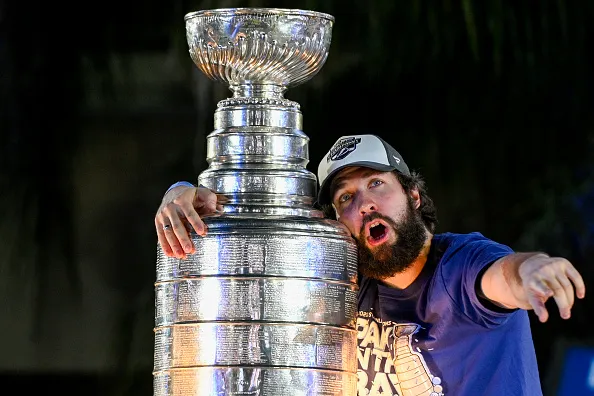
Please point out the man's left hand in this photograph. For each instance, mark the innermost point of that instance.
(544, 277)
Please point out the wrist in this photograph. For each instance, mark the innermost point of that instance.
(179, 184)
(176, 189)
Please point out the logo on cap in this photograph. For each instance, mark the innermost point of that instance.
(342, 148)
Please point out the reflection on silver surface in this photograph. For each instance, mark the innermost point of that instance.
(279, 47)
(259, 298)
(256, 247)
(267, 304)
(259, 181)
(265, 344)
(235, 381)
(231, 149)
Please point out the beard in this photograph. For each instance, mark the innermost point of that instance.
(386, 260)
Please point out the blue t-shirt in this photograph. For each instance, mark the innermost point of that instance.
(437, 338)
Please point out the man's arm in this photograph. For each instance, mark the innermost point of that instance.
(528, 280)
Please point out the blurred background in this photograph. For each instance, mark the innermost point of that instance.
(101, 109)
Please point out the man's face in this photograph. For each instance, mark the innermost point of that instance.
(381, 217)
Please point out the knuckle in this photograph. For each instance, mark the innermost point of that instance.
(548, 271)
(206, 195)
(169, 207)
(179, 200)
(560, 262)
(187, 207)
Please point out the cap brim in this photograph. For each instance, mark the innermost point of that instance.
(323, 195)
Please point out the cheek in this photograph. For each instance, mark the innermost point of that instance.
(350, 228)
(344, 226)
(349, 223)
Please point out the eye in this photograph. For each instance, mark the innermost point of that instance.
(343, 198)
(376, 182)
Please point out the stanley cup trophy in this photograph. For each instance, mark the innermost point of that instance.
(267, 304)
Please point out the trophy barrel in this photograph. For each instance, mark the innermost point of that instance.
(267, 305)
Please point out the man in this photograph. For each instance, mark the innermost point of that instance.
(439, 314)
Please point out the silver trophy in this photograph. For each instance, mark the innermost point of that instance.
(267, 305)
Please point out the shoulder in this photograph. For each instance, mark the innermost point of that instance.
(450, 241)
(452, 238)
(473, 246)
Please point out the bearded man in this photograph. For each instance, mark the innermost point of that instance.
(439, 313)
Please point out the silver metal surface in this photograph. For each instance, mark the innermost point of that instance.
(229, 114)
(266, 344)
(257, 299)
(257, 145)
(277, 48)
(267, 304)
(254, 381)
(276, 249)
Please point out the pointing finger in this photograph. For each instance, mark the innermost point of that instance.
(578, 281)
(539, 307)
(563, 299)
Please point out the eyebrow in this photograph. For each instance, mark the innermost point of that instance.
(340, 181)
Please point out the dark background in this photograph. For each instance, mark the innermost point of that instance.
(101, 109)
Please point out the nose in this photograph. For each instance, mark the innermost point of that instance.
(366, 205)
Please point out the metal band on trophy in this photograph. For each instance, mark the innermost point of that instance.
(267, 304)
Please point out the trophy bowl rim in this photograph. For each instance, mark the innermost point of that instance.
(257, 11)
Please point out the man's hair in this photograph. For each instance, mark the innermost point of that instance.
(427, 209)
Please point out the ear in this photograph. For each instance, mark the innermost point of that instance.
(416, 196)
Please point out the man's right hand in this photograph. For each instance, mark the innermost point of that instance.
(180, 211)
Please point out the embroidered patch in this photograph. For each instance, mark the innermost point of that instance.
(342, 148)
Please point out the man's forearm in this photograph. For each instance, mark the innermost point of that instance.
(502, 283)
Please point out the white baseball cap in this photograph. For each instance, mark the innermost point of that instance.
(369, 151)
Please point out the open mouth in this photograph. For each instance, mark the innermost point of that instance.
(377, 232)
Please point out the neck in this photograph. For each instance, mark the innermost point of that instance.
(405, 278)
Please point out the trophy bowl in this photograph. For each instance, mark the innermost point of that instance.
(259, 51)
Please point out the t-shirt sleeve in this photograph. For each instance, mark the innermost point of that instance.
(462, 263)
